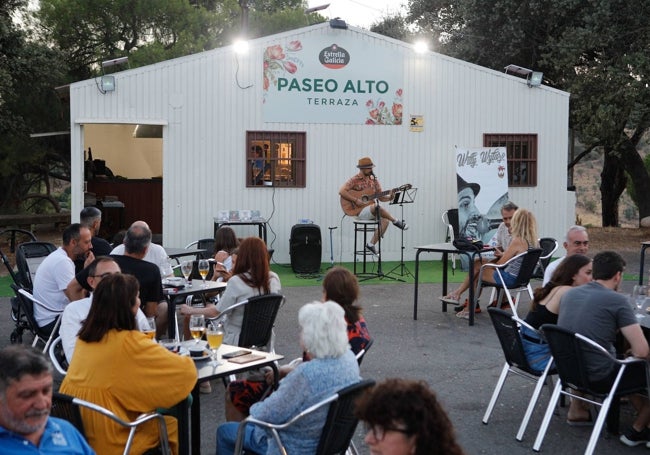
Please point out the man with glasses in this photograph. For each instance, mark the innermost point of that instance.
(76, 312)
(576, 242)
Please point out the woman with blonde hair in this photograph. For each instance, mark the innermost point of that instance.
(524, 236)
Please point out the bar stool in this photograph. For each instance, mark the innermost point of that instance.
(364, 227)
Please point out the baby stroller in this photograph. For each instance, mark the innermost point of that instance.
(29, 256)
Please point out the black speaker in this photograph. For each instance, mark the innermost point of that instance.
(305, 248)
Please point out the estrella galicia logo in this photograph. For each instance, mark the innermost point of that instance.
(334, 57)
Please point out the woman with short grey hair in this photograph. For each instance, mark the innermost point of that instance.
(332, 366)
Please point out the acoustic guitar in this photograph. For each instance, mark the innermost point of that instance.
(353, 209)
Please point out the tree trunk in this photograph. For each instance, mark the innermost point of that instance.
(633, 164)
(612, 185)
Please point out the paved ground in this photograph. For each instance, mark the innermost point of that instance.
(461, 363)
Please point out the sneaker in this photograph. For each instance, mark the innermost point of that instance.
(632, 438)
(401, 224)
(370, 247)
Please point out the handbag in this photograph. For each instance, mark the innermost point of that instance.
(468, 245)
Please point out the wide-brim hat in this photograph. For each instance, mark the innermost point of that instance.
(365, 163)
(462, 184)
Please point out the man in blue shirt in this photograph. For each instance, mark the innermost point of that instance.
(25, 402)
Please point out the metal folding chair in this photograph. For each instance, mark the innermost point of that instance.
(507, 330)
(26, 321)
(68, 407)
(571, 353)
(338, 426)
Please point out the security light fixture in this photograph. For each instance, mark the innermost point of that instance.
(533, 78)
(108, 84)
(337, 22)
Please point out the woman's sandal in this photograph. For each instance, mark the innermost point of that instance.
(450, 298)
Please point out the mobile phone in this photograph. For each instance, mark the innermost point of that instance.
(233, 354)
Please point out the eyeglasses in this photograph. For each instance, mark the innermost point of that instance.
(379, 432)
(578, 243)
(103, 275)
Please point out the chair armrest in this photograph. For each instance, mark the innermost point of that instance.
(227, 311)
(35, 301)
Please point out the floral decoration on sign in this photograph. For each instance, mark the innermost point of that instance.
(278, 61)
(380, 114)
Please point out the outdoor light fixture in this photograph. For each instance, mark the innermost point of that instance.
(533, 78)
(313, 9)
(240, 46)
(108, 84)
(420, 47)
(114, 61)
(337, 22)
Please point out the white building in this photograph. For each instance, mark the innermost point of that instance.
(309, 95)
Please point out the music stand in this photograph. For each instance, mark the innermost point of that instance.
(401, 198)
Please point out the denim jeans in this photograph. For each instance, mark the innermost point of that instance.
(227, 437)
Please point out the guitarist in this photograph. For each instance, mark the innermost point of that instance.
(366, 184)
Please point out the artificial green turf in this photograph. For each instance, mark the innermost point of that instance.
(430, 272)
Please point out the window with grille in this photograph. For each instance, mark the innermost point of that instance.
(275, 159)
(522, 156)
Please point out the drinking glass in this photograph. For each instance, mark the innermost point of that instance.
(204, 266)
(186, 270)
(215, 338)
(197, 326)
(150, 330)
(639, 293)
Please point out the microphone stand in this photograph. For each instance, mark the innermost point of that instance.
(331, 228)
(405, 197)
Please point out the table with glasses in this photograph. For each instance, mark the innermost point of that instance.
(175, 294)
(446, 249)
(259, 222)
(189, 431)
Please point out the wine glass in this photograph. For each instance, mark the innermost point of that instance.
(197, 326)
(215, 338)
(150, 330)
(204, 266)
(639, 293)
(186, 270)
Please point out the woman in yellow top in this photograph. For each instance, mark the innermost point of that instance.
(116, 366)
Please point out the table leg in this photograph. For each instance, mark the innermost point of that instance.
(642, 264)
(471, 288)
(445, 275)
(417, 275)
(195, 421)
(183, 426)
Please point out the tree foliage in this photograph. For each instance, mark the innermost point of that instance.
(29, 71)
(596, 50)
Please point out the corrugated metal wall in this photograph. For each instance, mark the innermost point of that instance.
(208, 101)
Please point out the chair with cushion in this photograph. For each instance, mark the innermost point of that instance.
(572, 353)
(529, 260)
(68, 407)
(507, 329)
(338, 427)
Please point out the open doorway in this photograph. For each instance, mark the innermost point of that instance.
(123, 169)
